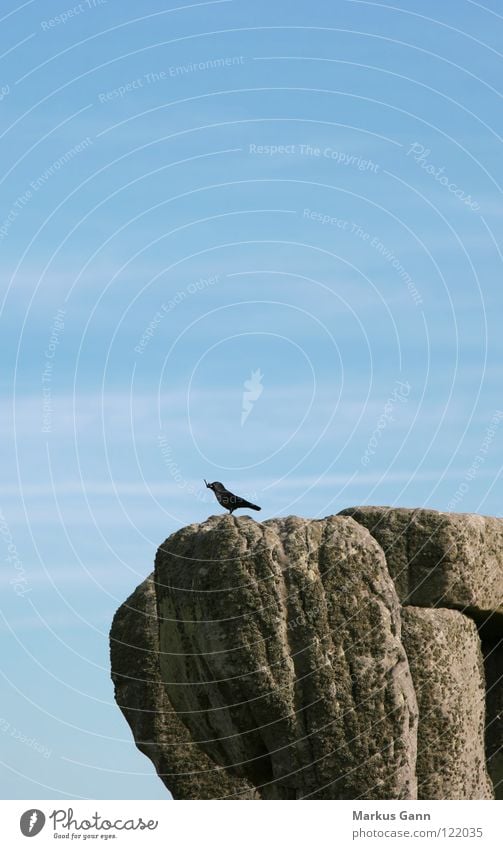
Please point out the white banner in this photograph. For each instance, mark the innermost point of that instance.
(251, 825)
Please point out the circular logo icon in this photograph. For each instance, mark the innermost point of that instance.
(32, 822)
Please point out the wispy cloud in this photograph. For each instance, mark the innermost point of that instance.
(144, 490)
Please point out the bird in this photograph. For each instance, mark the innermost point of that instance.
(228, 499)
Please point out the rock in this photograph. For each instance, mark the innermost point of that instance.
(280, 647)
(158, 732)
(275, 661)
(493, 662)
(445, 660)
(441, 559)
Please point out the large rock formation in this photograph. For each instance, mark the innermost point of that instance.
(295, 658)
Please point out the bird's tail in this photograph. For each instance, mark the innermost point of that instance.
(250, 505)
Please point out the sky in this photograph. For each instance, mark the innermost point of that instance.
(248, 242)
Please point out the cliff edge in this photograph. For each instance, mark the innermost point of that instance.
(356, 656)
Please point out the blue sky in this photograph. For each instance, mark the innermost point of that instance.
(189, 196)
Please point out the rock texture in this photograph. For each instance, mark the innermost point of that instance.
(445, 660)
(316, 659)
(142, 697)
(441, 559)
(493, 662)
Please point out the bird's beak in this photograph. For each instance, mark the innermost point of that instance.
(206, 482)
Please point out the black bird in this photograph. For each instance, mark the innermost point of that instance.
(228, 499)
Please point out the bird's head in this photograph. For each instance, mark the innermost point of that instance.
(215, 486)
